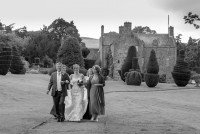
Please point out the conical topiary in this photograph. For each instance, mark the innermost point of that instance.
(181, 72)
(134, 78)
(17, 66)
(152, 66)
(128, 61)
(135, 65)
(152, 77)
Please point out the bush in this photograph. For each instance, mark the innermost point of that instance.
(47, 62)
(128, 61)
(133, 78)
(17, 66)
(135, 65)
(89, 63)
(85, 52)
(152, 77)
(5, 60)
(162, 78)
(181, 72)
(70, 52)
(152, 66)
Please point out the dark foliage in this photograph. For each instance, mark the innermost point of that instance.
(5, 60)
(162, 78)
(181, 72)
(128, 61)
(17, 66)
(105, 72)
(70, 52)
(85, 52)
(152, 66)
(89, 63)
(151, 79)
(135, 65)
(133, 78)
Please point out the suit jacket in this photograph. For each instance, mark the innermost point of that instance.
(53, 84)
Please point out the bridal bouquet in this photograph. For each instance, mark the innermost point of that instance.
(80, 83)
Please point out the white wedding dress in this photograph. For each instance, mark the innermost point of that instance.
(76, 101)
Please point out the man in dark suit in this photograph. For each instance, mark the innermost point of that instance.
(59, 82)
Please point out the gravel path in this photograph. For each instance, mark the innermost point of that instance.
(165, 109)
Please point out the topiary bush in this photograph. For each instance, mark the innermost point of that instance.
(152, 77)
(181, 73)
(5, 59)
(17, 66)
(128, 61)
(135, 65)
(133, 78)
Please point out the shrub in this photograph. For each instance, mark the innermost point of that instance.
(85, 52)
(47, 62)
(162, 78)
(128, 61)
(17, 66)
(89, 63)
(135, 65)
(5, 60)
(133, 78)
(181, 72)
(152, 66)
(70, 52)
(152, 77)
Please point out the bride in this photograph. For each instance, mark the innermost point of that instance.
(77, 96)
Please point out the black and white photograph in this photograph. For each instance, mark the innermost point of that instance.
(99, 67)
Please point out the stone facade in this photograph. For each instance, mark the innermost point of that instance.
(163, 44)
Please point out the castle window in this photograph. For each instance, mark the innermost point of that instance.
(118, 61)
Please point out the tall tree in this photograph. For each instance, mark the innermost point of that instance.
(179, 43)
(193, 53)
(70, 52)
(145, 30)
(192, 19)
(60, 27)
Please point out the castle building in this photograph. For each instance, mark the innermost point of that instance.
(118, 43)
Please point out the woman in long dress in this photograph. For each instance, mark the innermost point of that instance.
(88, 115)
(78, 106)
(97, 102)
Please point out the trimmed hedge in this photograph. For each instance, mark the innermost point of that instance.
(152, 77)
(133, 78)
(17, 66)
(181, 73)
(5, 60)
(128, 61)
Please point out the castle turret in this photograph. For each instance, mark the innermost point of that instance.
(121, 29)
(171, 31)
(102, 30)
(128, 26)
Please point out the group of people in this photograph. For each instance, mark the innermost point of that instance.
(77, 97)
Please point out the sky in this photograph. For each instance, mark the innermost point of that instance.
(89, 15)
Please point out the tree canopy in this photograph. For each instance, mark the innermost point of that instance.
(145, 30)
(192, 19)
